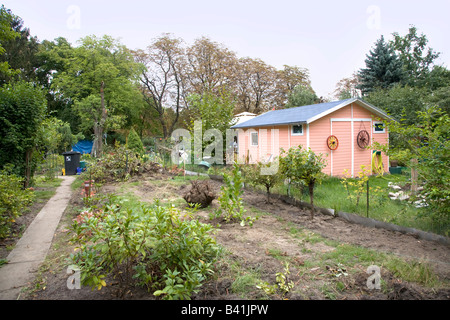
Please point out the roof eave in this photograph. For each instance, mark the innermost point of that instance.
(361, 102)
(269, 125)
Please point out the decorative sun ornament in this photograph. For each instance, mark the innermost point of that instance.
(332, 142)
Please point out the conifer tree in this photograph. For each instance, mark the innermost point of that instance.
(134, 143)
(383, 68)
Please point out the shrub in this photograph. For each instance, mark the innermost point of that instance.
(119, 164)
(152, 247)
(255, 176)
(134, 143)
(303, 165)
(230, 199)
(357, 187)
(13, 199)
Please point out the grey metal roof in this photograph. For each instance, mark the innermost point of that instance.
(304, 114)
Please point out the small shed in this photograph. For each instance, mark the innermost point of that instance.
(243, 116)
(341, 130)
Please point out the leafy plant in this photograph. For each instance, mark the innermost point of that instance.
(152, 247)
(357, 187)
(22, 110)
(118, 164)
(134, 143)
(283, 285)
(427, 142)
(230, 199)
(254, 175)
(13, 200)
(303, 165)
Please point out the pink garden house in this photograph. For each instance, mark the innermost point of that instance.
(341, 130)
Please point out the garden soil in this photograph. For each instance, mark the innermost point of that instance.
(260, 249)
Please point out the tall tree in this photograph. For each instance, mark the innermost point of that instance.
(215, 111)
(346, 88)
(401, 102)
(383, 68)
(287, 79)
(163, 79)
(301, 96)
(6, 34)
(255, 85)
(416, 57)
(101, 79)
(209, 66)
(20, 53)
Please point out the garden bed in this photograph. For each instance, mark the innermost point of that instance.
(327, 256)
(43, 190)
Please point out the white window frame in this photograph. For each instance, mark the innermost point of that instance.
(375, 123)
(251, 138)
(296, 134)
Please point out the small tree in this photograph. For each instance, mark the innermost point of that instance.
(230, 199)
(254, 175)
(303, 165)
(134, 143)
(427, 143)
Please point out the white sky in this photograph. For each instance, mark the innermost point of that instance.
(330, 38)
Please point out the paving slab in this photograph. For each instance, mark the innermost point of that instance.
(31, 250)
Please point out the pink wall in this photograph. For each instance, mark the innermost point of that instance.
(337, 123)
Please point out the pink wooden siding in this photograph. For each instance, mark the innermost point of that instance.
(339, 123)
(341, 158)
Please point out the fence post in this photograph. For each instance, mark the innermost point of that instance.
(367, 198)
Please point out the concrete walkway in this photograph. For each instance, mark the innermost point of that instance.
(31, 250)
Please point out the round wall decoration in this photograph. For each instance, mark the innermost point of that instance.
(363, 139)
(332, 142)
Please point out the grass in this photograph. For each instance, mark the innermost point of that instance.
(245, 281)
(331, 193)
(354, 259)
(45, 188)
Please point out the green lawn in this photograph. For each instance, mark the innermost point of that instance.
(331, 193)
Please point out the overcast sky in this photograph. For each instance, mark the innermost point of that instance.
(329, 38)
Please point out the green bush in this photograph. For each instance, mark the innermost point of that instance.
(299, 164)
(153, 247)
(256, 177)
(231, 204)
(22, 110)
(13, 199)
(134, 143)
(118, 164)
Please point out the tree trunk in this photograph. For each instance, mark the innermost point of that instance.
(414, 163)
(28, 154)
(97, 149)
(268, 194)
(311, 197)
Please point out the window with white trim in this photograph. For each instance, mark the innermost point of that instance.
(379, 127)
(297, 130)
(254, 136)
